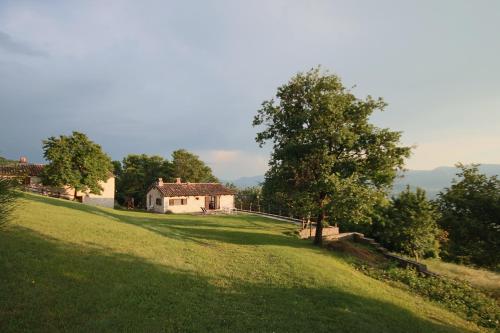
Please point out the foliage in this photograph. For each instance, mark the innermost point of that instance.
(75, 161)
(410, 225)
(190, 168)
(249, 198)
(458, 296)
(326, 149)
(141, 272)
(137, 173)
(471, 216)
(4, 161)
(8, 197)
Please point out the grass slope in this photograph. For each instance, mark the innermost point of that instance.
(70, 267)
(486, 280)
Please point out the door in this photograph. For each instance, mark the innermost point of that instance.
(207, 202)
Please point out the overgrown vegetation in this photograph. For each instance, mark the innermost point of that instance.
(8, 196)
(457, 295)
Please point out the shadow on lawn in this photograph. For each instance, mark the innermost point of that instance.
(201, 229)
(47, 285)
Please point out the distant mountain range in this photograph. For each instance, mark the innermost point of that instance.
(432, 181)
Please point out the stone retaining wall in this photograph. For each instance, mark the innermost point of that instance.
(422, 268)
(328, 232)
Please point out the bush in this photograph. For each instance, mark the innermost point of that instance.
(458, 296)
(409, 225)
(7, 198)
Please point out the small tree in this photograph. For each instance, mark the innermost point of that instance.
(325, 148)
(77, 162)
(410, 225)
(190, 168)
(471, 216)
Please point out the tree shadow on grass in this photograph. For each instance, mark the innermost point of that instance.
(48, 285)
(201, 230)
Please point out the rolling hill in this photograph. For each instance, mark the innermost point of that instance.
(71, 267)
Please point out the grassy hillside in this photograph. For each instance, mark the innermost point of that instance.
(70, 267)
(480, 278)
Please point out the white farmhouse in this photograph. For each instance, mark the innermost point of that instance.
(181, 197)
(30, 175)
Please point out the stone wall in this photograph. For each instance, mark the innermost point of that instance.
(327, 232)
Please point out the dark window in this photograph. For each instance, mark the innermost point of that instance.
(158, 201)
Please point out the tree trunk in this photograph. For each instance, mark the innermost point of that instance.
(74, 195)
(318, 237)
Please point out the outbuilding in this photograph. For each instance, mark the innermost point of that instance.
(181, 197)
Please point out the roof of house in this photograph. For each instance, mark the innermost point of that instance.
(191, 189)
(26, 169)
(21, 169)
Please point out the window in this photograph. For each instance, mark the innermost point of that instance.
(177, 202)
(158, 201)
(149, 202)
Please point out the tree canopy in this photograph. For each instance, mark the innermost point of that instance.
(76, 161)
(471, 217)
(190, 168)
(326, 149)
(410, 225)
(137, 173)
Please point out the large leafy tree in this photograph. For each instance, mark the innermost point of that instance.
(137, 173)
(471, 216)
(76, 161)
(190, 168)
(410, 225)
(327, 156)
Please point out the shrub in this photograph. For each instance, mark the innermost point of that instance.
(7, 198)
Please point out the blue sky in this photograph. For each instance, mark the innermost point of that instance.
(154, 76)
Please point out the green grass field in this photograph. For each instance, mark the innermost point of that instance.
(70, 267)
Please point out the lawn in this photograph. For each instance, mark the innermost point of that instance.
(71, 267)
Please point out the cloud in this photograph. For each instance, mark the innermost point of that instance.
(448, 150)
(9, 45)
(232, 164)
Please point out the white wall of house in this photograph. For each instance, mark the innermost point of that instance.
(193, 204)
(105, 199)
(151, 203)
(226, 202)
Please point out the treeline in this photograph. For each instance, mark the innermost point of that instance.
(135, 173)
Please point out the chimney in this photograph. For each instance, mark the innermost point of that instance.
(160, 181)
(177, 180)
(23, 160)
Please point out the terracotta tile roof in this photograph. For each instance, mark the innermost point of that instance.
(21, 169)
(187, 189)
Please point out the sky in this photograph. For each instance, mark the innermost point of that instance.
(155, 76)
